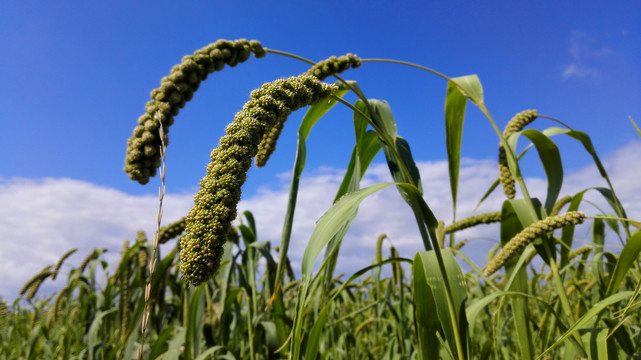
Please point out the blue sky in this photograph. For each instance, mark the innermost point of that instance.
(76, 75)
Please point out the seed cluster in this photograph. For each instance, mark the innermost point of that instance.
(143, 256)
(560, 204)
(580, 251)
(34, 283)
(208, 222)
(517, 123)
(323, 69)
(60, 262)
(334, 65)
(171, 231)
(527, 235)
(471, 221)
(143, 157)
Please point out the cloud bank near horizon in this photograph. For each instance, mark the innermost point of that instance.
(42, 219)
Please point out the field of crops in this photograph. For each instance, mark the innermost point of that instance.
(223, 292)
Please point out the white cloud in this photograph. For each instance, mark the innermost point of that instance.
(583, 52)
(40, 220)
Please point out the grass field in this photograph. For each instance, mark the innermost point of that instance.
(222, 292)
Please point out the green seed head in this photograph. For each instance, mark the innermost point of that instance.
(334, 65)
(143, 157)
(507, 181)
(471, 221)
(517, 123)
(560, 204)
(35, 281)
(321, 70)
(527, 235)
(460, 244)
(580, 251)
(171, 231)
(520, 121)
(94, 254)
(379, 247)
(60, 262)
(208, 222)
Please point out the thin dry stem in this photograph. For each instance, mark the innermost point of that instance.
(152, 265)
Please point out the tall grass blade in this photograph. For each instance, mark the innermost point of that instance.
(340, 214)
(195, 322)
(629, 256)
(551, 161)
(314, 113)
(588, 317)
(470, 86)
(455, 104)
(596, 343)
(515, 217)
(434, 284)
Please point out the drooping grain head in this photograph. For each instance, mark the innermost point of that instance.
(560, 204)
(472, 221)
(527, 235)
(322, 70)
(517, 123)
(143, 156)
(208, 222)
(60, 262)
(172, 230)
(379, 247)
(334, 65)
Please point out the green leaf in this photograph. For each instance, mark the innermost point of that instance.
(515, 217)
(175, 345)
(587, 144)
(406, 161)
(470, 86)
(316, 333)
(427, 262)
(628, 257)
(342, 213)
(455, 104)
(551, 160)
(426, 315)
(596, 343)
(314, 113)
(587, 317)
(160, 343)
(92, 335)
(383, 118)
(195, 322)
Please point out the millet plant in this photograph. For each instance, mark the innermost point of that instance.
(538, 296)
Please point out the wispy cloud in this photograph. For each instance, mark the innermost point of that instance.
(584, 52)
(42, 219)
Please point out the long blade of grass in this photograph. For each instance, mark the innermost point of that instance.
(596, 343)
(587, 144)
(627, 259)
(455, 104)
(195, 322)
(434, 284)
(551, 161)
(426, 316)
(339, 215)
(315, 334)
(314, 113)
(587, 317)
(366, 148)
(515, 217)
(335, 220)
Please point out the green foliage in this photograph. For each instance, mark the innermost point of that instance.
(249, 303)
